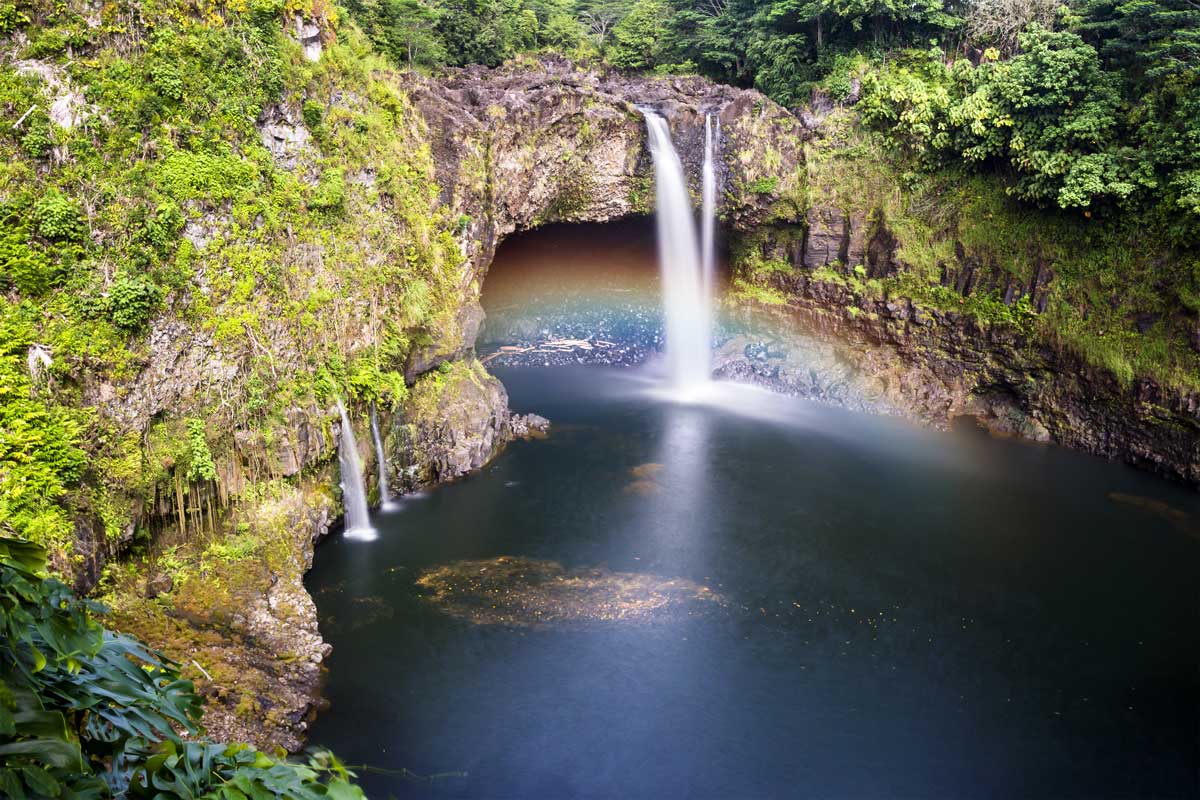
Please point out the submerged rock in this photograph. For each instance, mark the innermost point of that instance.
(1180, 519)
(523, 592)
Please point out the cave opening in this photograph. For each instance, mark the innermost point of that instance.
(568, 293)
(576, 293)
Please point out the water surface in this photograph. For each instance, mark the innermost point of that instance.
(793, 601)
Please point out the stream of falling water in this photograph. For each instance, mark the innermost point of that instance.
(354, 495)
(686, 301)
(385, 494)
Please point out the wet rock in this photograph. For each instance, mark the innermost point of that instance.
(450, 345)
(802, 366)
(455, 422)
(936, 365)
(826, 233)
(529, 426)
(1144, 322)
(308, 34)
(855, 94)
(68, 107)
(159, 584)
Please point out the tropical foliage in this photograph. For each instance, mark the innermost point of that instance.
(88, 713)
(1092, 104)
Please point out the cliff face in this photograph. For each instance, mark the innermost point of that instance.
(821, 230)
(958, 305)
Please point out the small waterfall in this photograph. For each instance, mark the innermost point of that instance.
(385, 496)
(354, 496)
(689, 337)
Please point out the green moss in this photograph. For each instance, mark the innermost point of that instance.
(741, 289)
(763, 185)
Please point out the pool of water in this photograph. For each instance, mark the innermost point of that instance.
(759, 597)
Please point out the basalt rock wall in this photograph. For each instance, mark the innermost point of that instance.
(938, 365)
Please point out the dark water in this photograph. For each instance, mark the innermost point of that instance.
(899, 613)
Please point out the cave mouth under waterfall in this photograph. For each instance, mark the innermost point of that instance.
(578, 293)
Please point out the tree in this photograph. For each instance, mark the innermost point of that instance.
(1051, 115)
(637, 40)
(600, 17)
(558, 26)
(412, 34)
(1000, 22)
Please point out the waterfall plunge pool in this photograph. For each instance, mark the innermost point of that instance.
(665, 600)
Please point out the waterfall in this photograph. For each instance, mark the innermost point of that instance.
(385, 496)
(354, 496)
(708, 214)
(685, 301)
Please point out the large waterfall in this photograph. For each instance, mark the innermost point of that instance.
(385, 495)
(354, 496)
(685, 292)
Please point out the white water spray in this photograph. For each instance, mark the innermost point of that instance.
(354, 496)
(685, 300)
(385, 496)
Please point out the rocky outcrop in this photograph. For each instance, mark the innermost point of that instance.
(241, 623)
(526, 144)
(456, 420)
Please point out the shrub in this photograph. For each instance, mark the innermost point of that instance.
(167, 80)
(36, 141)
(25, 267)
(132, 300)
(201, 465)
(330, 193)
(313, 114)
(764, 185)
(58, 218)
(205, 176)
(160, 228)
(11, 18)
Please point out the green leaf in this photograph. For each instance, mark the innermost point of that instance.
(11, 785)
(41, 781)
(55, 752)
